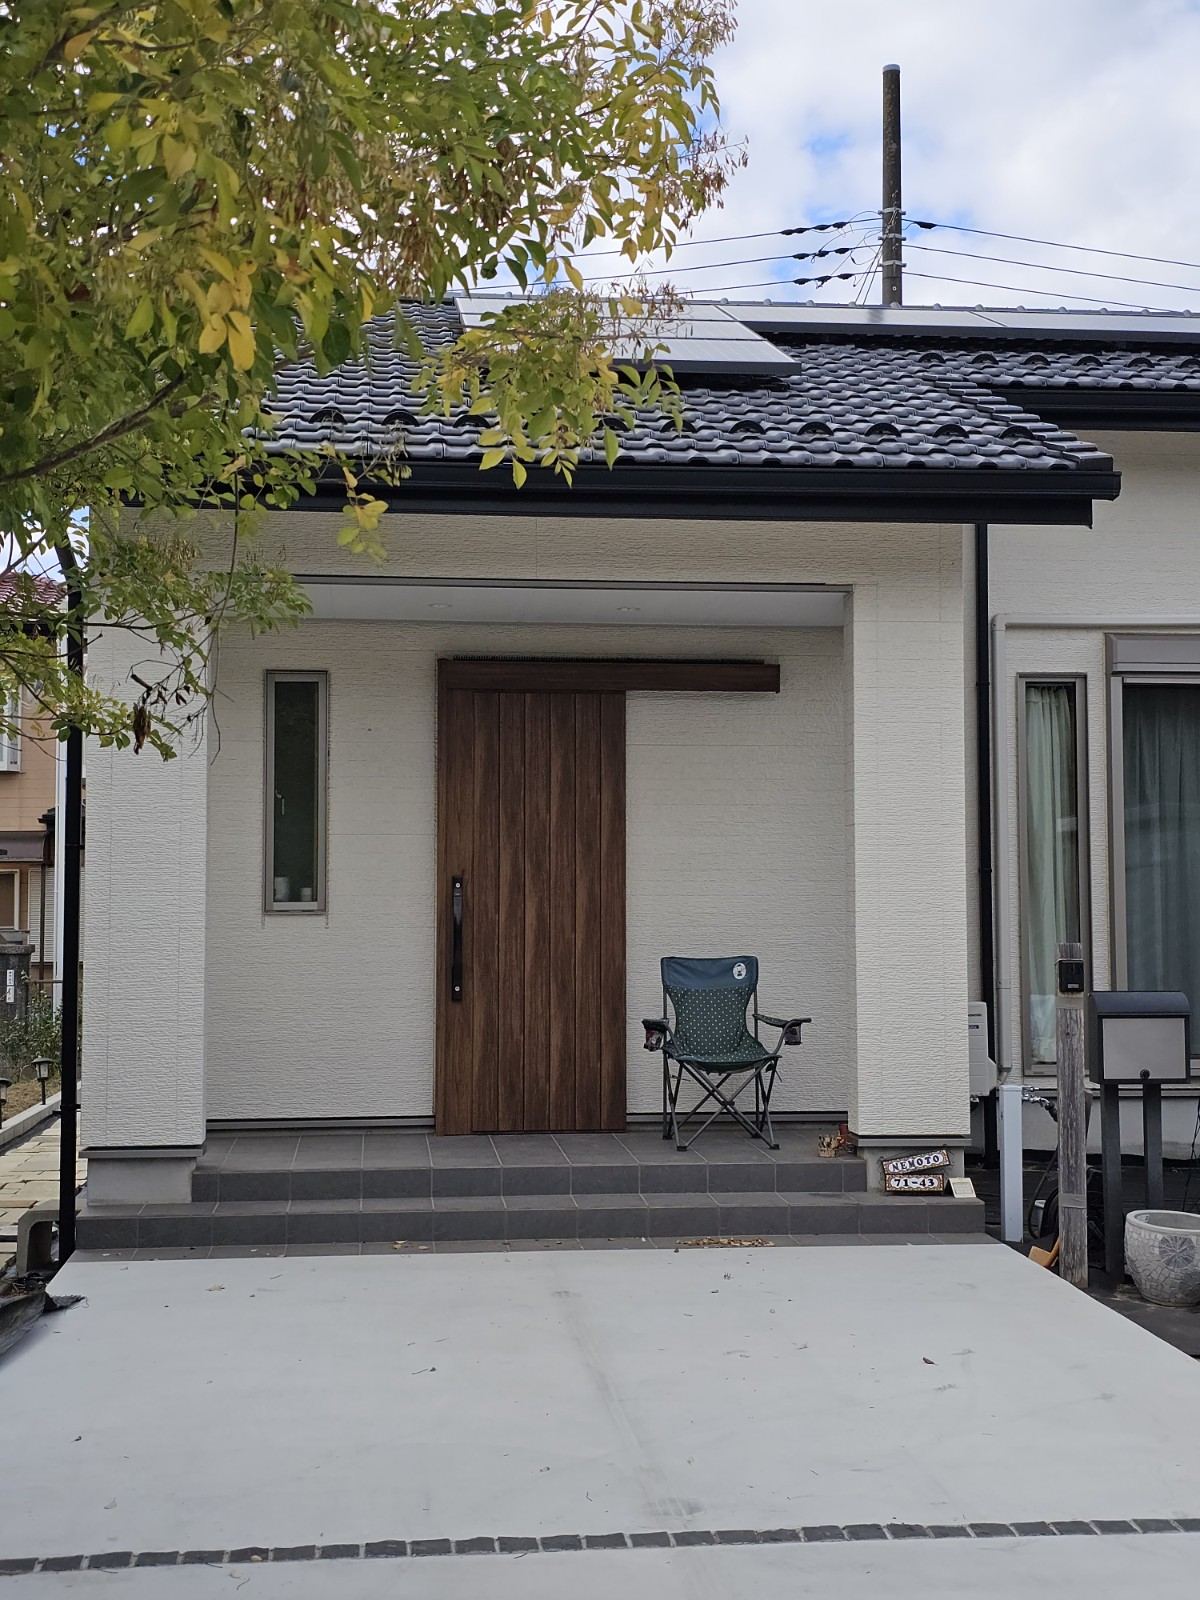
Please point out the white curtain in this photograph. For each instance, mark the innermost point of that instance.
(1052, 846)
(1162, 835)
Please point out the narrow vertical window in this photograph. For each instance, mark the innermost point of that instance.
(1161, 760)
(1052, 854)
(295, 856)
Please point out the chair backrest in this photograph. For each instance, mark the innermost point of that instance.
(710, 999)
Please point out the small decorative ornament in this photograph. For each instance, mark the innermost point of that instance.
(914, 1182)
(927, 1161)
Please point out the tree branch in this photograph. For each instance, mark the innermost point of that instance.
(115, 430)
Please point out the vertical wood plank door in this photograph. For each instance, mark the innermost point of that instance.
(531, 827)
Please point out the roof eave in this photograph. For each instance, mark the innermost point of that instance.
(838, 494)
(1122, 410)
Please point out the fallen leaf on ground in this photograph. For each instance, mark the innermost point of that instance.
(928, 1362)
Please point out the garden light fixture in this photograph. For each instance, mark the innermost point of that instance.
(41, 1066)
(4, 1088)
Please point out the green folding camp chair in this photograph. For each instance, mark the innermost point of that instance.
(711, 1044)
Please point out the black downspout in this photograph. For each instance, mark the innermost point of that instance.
(983, 798)
(71, 841)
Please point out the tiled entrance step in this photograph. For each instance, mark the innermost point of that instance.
(277, 1189)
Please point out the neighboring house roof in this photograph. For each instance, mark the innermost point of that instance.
(872, 418)
(20, 585)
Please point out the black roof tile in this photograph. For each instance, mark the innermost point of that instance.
(959, 404)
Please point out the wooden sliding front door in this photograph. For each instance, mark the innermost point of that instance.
(531, 907)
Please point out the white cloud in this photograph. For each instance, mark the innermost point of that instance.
(1072, 120)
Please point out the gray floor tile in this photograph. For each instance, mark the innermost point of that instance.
(593, 1178)
(242, 1252)
(543, 1244)
(326, 1183)
(742, 1176)
(395, 1149)
(532, 1224)
(468, 1149)
(527, 1149)
(589, 1147)
(247, 1185)
(540, 1178)
(615, 1222)
(465, 1180)
(247, 1230)
(396, 1183)
(329, 1150)
(663, 1177)
(316, 1248)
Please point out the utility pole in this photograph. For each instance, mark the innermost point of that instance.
(893, 288)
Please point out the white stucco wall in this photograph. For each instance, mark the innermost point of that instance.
(144, 928)
(737, 840)
(855, 798)
(1139, 565)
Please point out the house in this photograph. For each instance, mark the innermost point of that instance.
(868, 671)
(28, 766)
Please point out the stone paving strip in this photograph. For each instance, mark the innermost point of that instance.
(678, 1539)
(29, 1174)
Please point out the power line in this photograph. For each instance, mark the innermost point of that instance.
(1046, 266)
(736, 238)
(1012, 288)
(1055, 244)
(744, 261)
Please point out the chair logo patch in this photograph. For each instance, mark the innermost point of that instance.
(739, 970)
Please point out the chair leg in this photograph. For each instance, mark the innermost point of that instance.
(666, 1120)
(765, 1128)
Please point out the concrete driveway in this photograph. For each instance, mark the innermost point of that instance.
(909, 1420)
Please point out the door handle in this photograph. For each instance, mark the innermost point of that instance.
(456, 992)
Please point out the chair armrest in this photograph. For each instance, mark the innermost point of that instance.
(791, 1028)
(658, 1031)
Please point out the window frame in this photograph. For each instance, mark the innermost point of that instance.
(13, 871)
(1077, 682)
(1149, 659)
(317, 905)
(11, 743)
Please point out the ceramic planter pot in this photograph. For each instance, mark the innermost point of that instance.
(1162, 1252)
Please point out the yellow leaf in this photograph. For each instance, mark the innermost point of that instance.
(491, 458)
(519, 473)
(178, 158)
(75, 47)
(241, 340)
(102, 101)
(218, 262)
(213, 336)
(573, 272)
(141, 320)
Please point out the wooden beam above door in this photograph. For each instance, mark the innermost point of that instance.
(533, 676)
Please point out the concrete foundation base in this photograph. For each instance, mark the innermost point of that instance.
(130, 1179)
(873, 1154)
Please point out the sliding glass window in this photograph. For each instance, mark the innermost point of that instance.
(1160, 757)
(1052, 847)
(297, 711)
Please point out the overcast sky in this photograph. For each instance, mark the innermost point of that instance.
(1071, 120)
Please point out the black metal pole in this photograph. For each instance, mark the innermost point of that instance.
(983, 817)
(1152, 1144)
(70, 840)
(893, 287)
(1114, 1200)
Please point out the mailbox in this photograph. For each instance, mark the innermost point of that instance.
(1139, 1037)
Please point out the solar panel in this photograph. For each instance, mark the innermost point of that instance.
(703, 338)
(1152, 327)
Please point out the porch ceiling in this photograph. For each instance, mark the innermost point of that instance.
(684, 605)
